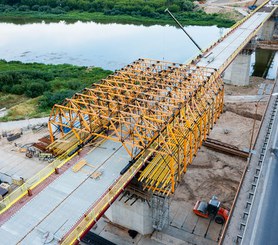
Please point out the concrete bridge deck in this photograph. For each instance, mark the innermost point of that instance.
(55, 210)
(221, 55)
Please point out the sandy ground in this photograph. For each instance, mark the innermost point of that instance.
(234, 9)
(251, 89)
(213, 173)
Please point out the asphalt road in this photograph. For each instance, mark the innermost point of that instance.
(267, 226)
(258, 224)
(262, 227)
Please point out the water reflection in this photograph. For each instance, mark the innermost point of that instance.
(264, 63)
(110, 46)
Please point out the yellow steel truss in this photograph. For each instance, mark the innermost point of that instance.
(146, 102)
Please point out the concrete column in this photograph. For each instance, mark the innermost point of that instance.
(238, 71)
(137, 217)
(266, 32)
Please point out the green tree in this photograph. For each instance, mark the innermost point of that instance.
(36, 88)
(49, 99)
(18, 89)
(187, 6)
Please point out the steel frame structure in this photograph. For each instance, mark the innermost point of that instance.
(164, 107)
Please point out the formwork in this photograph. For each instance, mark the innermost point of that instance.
(164, 108)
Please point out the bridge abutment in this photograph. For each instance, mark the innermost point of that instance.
(238, 71)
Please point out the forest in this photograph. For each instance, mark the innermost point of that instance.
(131, 7)
(153, 9)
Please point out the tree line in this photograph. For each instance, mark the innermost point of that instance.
(147, 8)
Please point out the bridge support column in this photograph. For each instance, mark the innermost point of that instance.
(238, 71)
(136, 216)
(266, 32)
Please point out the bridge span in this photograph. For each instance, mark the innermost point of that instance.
(146, 120)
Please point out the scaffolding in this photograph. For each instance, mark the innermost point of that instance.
(164, 108)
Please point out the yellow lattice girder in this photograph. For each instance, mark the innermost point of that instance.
(171, 105)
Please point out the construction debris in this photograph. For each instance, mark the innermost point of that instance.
(225, 148)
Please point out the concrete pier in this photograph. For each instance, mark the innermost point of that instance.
(137, 216)
(266, 33)
(238, 71)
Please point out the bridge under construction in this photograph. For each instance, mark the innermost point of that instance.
(144, 122)
(158, 111)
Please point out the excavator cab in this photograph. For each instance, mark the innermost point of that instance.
(211, 210)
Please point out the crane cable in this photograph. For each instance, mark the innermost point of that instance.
(179, 24)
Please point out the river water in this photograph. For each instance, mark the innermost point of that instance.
(110, 46)
(264, 63)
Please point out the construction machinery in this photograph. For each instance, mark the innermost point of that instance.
(253, 6)
(211, 210)
(30, 152)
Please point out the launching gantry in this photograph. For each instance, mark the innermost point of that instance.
(159, 111)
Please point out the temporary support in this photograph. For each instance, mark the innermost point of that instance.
(148, 105)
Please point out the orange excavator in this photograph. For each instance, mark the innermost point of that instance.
(211, 210)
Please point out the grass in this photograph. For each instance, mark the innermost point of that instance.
(10, 100)
(186, 18)
(25, 109)
(61, 80)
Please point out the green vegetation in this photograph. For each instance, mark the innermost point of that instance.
(127, 11)
(30, 90)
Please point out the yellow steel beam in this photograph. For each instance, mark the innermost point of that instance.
(171, 105)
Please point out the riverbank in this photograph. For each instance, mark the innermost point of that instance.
(30, 90)
(187, 18)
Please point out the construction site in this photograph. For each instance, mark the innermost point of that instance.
(154, 154)
(211, 172)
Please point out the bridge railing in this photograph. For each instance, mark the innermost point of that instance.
(236, 25)
(34, 181)
(232, 57)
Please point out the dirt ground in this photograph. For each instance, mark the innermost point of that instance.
(251, 89)
(234, 9)
(214, 173)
